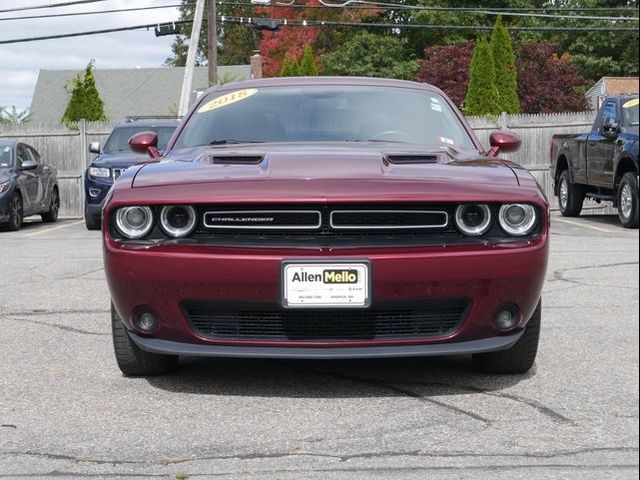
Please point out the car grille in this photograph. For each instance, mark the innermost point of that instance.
(422, 320)
(326, 225)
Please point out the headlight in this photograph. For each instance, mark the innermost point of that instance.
(134, 222)
(518, 219)
(473, 220)
(99, 172)
(4, 187)
(178, 220)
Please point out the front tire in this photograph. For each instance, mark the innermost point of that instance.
(518, 359)
(570, 196)
(132, 360)
(51, 216)
(628, 200)
(93, 222)
(16, 213)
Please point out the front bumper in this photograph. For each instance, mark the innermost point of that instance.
(486, 345)
(165, 276)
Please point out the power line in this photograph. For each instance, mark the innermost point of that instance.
(51, 5)
(329, 23)
(98, 12)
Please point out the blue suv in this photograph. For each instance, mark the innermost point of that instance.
(114, 159)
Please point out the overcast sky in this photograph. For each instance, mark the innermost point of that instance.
(20, 62)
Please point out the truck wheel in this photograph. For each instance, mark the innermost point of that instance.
(518, 359)
(132, 360)
(628, 200)
(93, 222)
(570, 196)
(51, 216)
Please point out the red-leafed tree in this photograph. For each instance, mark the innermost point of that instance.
(547, 81)
(288, 42)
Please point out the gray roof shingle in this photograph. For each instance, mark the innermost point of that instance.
(125, 92)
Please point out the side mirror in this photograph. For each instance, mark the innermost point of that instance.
(29, 165)
(503, 142)
(145, 143)
(94, 147)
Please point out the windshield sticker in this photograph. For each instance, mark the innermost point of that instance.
(446, 140)
(436, 107)
(227, 99)
(631, 103)
(435, 100)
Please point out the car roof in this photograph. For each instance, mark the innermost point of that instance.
(11, 143)
(159, 122)
(326, 81)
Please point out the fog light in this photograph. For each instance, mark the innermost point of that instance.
(94, 192)
(507, 318)
(146, 321)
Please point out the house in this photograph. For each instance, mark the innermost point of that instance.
(125, 92)
(608, 86)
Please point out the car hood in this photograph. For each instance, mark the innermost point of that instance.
(118, 160)
(328, 163)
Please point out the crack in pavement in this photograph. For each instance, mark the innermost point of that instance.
(340, 458)
(559, 275)
(405, 392)
(43, 311)
(61, 327)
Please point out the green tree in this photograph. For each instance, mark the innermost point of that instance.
(482, 96)
(307, 65)
(290, 67)
(370, 55)
(85, 102)
(506, 72)
(13, 116)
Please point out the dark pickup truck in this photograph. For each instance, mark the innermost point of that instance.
(601, 165)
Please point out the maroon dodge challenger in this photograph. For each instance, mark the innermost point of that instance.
(325, 218)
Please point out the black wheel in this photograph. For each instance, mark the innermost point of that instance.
(570, 196)
(628, 200)
(518, 359)
(16, 213)
(132, 360)
(51, 215)
(93, 222)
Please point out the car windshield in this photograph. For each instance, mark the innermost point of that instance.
(119, 138)
(325, 114)
(6, 156)
(631, 112)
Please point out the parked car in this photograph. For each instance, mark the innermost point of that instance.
(602, 164)
(27, 186)
(115, 158)
(325, 218)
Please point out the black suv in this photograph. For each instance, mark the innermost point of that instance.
(115, 158)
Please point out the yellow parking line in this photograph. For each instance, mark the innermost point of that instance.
(597, 229)
(48, 230)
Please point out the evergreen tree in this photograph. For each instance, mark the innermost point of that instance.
(482, 96)
(506, 72)
(308, 67)
(290, 67)
(85, 102)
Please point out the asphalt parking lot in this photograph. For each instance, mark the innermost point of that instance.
(66, 411)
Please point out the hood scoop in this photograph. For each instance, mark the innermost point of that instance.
(236, 159)
(413, 159)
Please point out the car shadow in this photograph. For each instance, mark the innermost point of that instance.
(603, 220)
(414, 377)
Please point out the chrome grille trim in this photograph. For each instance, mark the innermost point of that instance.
(261, 213)
(388, 227)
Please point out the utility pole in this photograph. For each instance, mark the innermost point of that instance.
(187, 84)
(212, 31)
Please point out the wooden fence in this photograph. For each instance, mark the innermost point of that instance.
(67, 150)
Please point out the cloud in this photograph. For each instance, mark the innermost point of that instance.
(20, 62)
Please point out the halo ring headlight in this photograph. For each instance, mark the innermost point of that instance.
(134, 222)
(178, 221)
(473, 220)
(518, 219)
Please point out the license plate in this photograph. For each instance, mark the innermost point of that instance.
(326, 285)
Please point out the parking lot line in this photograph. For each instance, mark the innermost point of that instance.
(48, 230)
(597, 229)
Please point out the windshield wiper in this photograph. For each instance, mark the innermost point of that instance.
(231, 141)
(373, 140)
